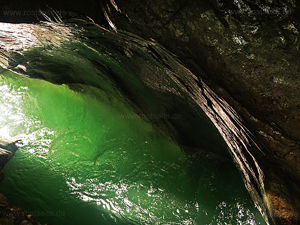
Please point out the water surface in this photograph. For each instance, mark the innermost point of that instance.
(86, 158)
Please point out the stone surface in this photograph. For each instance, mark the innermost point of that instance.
(247, 52)
(154, 83)
(11, 214)
(7, 150)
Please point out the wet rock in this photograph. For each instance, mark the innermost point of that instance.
(159, 86)
(247, 52)
(13, 214)
(9, 212)
(7, 150)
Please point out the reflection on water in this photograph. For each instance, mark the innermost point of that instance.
(79, 157)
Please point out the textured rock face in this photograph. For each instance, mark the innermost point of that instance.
(250, 51)
(7, 150)
(9, 212)
(149, 79)
(247, 52)
(13, 214)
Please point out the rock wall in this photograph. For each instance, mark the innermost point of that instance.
(246, 52)
(9, 212)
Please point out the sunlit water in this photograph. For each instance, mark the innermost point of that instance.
(84, 161)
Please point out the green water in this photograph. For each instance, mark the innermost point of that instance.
(85, 159)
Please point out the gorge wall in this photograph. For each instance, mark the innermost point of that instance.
(246, 52)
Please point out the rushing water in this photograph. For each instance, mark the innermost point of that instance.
(86, 159)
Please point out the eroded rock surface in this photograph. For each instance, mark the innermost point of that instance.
(7, 150)
(247, 52)
(13, 214)
(9, 212)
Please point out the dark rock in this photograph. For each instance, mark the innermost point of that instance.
(9, 212)
(7, 150)
(13, 214)
(153, 82)
(247, 52)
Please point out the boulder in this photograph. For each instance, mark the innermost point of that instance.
(7, 151)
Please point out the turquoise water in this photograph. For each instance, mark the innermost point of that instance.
(85, 158)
